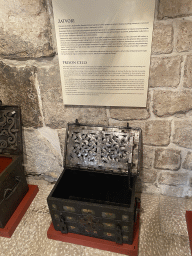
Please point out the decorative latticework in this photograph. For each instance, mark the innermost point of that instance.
(10, 131)
(101, 148)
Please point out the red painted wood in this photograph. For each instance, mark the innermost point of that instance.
(189, 226)
(15, 219)
(131, 250)
(4, 162)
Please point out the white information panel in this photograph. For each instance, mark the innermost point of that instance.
(104, 49)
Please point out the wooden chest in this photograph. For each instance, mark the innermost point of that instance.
(13, 184)
(95, 194)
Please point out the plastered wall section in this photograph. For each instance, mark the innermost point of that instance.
(30, 78)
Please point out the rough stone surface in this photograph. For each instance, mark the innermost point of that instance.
(17, 87)
(172, 215)
(165, 72)
(173, 179)
(86, 115)
(169, 103)
(184, 34)
(187, 164)
(167, 244)
(156, 132)
(167, 159)
(148, 188)
(49, 8)
(56, 115)
(162, 41)
(130, 113)
(183, 133)
(189, 192)
(173, 191)
(148, 175)
(25, 30)
(187, 72)
(42, 153)
(148, 156)
(48, 78)
(174, 8)
(62, 136)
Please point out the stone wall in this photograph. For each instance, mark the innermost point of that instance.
(29, 77)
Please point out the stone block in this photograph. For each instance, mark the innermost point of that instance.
(187, 72)
(62, 137)
(42, 153)
(162, 41)
(188, 196)
(147, 175)
(17, 87)
(173, 179)
(157, 132)
(167, 159)
(183, 36)
(183, 133)
(146, 188)
(86, 115)
(187, 164)
(165, 72)
(130, 113)
(148, 156)
(174, 8)
(175, 191)
(26, 30)
(167, 103)
(48, 77)
(56, 115)
(49, 8)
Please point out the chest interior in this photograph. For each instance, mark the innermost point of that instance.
(93, 187)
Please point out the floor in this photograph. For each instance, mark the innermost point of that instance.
(163, 230)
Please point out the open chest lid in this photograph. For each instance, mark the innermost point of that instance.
(103, 149)
(10, 130)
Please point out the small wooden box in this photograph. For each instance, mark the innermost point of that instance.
(95, 194)
(13, 184)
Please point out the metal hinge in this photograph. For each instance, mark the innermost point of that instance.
(63, 226)
(119, 237)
